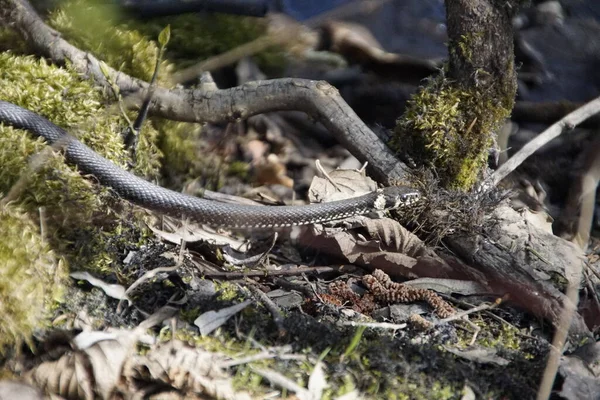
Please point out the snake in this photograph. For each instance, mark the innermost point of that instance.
(213, 213)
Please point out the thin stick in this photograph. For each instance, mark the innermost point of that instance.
(271, 306)
(560, 336)
(262, 274)
(567, 123)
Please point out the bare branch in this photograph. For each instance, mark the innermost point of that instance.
(318, 99)
(567, 123)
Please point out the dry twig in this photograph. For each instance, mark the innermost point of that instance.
(567, 123)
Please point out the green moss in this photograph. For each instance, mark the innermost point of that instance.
(499, 335)
(80, 223)
(127, 44)
(179, 142)
(467, 44)
(31, 277)
(227, 291)
(451, 130)
(95, 26)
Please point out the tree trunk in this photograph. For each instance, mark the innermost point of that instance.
(450, 124)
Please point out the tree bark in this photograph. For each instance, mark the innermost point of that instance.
(481, 51)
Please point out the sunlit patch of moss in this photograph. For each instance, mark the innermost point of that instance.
(96, 26)
(31, 277)
(78, 215)
(499, 335)
(451, 129)
(226, 291)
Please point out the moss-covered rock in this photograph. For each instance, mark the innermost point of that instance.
(30, 277)
(79, 216)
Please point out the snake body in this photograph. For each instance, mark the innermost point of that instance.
(153, 197)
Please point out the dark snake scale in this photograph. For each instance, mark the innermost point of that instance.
(153, 197)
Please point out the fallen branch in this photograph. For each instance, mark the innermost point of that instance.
(318, 99)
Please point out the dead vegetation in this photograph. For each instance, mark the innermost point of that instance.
(458, 296)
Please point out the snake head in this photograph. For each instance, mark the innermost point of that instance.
(397, 196)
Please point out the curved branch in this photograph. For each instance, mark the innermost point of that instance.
(318, 99)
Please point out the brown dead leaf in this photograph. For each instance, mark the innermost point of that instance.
(394, 236)
(298, 38)
(381, 246)
(70, 376)
(255, 150)
(187, 369)
(341, 184)
(92, 370)
(353, 41)
(95, 368)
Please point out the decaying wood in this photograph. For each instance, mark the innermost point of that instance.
(517, 258)
(512, 256)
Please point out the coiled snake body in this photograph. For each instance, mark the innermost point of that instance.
(148, 195)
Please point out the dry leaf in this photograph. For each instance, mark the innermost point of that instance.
(10, 390)
(187, 369)
(271, 171)
(343, 184)
(95, 369)
(191, 233)
(211, 320)
(255, 150)
(359, 46)
(111, 289)
(481, 355)
(317, 382)
(384, 252)
(70, 376)
(394, 237)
